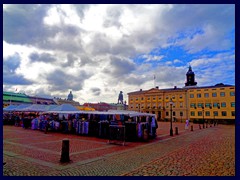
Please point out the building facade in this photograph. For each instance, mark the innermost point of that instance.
(190, 102)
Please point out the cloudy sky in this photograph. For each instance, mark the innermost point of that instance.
(98, 50)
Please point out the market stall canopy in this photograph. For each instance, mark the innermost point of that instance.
(35, 108)
(10, 108)
(21, 107)
(50, 107)
(130, 113)
(65, 107)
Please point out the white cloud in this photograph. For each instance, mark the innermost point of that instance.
(96, 46)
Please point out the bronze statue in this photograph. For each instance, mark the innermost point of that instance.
(120, 98)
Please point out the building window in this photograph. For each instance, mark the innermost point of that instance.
(192, 113)
(232, 93)
(198, 95)
(200, 105)
(159, 98)
(232, 104)
(192, 105)
(199, 113)
(174, 113)
(215, 113)
(136, 99)
(149, 98)
(207, 113)
(154, 98)
(215, 104)
(233, 113)
(223, 104)
(191, 95)
(214, 94)
(180, 96)
(222, 94)
(167, 114)
(208, 105)
(181, 104)
(181, 113)
(206, 95)
(142, 98)
(224, 113)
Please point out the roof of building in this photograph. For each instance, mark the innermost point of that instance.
(9, 96)
(219, 85)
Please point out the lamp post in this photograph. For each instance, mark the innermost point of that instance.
(203, 116)
(171, 130)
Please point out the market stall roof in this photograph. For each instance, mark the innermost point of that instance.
(21, 107)
(50, 107)
(35, 108)
(65, 107)
(10, 107)
(112, 112)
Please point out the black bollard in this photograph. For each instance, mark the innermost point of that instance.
(65, 151)
(176, 130)
(191, 127)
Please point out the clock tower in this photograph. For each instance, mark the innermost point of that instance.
(190, 77)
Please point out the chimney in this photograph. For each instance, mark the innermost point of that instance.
(175, 87)
(157, 87)
(140, 89)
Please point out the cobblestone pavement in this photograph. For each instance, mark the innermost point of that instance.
(201, 152)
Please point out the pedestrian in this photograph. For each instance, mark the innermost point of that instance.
(187, 124)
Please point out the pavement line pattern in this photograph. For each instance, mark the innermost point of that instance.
(168, 155)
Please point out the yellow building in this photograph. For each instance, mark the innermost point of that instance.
(212, 102)
(190, 102)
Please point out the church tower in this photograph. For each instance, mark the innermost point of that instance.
(190, 77)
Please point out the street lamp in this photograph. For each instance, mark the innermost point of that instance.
(171, 130)
(203, 115)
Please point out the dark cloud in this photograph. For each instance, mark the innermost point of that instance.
(12, 63)
(44, 57)
(139, 80)
(23, 24)
(70, 60)
(119, 67)
(123, 47)
(15, 79)
(9, 71)
(99, 44)
(60, 81)
(95, 91)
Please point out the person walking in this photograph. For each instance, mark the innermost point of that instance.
(187, 124)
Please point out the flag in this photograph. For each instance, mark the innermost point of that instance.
(16, 89)
(154, 77)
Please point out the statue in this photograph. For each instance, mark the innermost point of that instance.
(120, 98)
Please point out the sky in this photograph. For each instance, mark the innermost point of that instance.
(98, 50)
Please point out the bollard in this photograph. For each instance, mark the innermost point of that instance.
(176, 130)
(65, 151)
(191, 127)
(46, 129)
